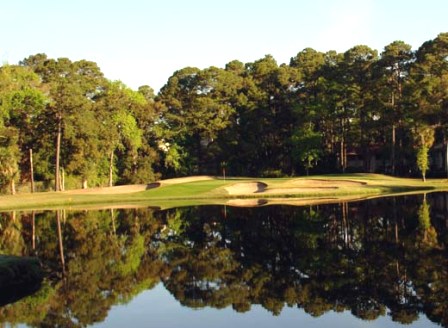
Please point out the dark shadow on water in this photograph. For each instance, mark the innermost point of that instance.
(19, 277)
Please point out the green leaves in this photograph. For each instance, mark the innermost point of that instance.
(422, 160)
(307, 146)
(423, 140)
(130, 133)
(9, 157)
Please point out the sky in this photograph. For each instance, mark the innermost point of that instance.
(143, 42)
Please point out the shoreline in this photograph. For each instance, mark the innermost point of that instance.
(206, 190)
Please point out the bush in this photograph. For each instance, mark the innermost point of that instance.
(271, 173)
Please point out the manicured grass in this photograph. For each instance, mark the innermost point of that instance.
(173, 193)
(194, 189)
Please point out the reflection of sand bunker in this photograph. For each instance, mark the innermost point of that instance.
(246, 202)
(245, 188)
(297, 190)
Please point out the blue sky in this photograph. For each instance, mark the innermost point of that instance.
(143, 42)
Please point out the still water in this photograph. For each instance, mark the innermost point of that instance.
(375, 263)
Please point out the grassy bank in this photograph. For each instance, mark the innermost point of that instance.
(210, 190)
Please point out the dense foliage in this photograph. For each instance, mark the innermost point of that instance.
(322, 112)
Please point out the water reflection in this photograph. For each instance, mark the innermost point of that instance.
(373, 258)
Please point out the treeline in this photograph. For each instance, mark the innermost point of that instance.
(73, 125)
(322, 112)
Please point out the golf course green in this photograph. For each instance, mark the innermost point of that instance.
(201, 190)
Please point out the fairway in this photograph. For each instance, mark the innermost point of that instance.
(201, 190)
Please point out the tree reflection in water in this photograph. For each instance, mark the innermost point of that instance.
(374, 258)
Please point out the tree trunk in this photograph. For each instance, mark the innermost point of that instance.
(345, 223)
(111, 168)
(343, 146)
(31, 171)
(392, 155)
(58, 153)
(446, 159)
(343, 151)
(61, 245)
(112, 217)
(199, 154)
(12, 186)
(33, 215)
(62, 180)
(84, 183)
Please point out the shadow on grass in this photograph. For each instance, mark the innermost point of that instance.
(401, 189)
(153, 185)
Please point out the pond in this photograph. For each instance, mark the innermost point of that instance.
(374, 263)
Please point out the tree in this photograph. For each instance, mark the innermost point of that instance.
(119, 127)
(197, 108)
(21, 103)
(307, 147)
(429, 75)
(423, 140)
(266, 117)
(393, 73)
(9, 158)
(69, 117)
(310, 108)
(357, 99)
(335, 118)
(147, 92)
(422, 160)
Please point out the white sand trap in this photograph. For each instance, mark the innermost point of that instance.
(126, 189)
(244, 188)
(306, 186)
(316, 183)
(186, 179)
(246, 202)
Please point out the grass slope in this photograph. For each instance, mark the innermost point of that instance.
(208, 190)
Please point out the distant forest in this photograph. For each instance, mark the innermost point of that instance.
(64, 125)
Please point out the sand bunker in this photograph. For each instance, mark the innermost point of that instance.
(136, 188)
(306, 186)
(127, 189)
(296, 186)
(186, 179)
(292, 187)
(245, 188)
(113, 190)
(319, 183)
